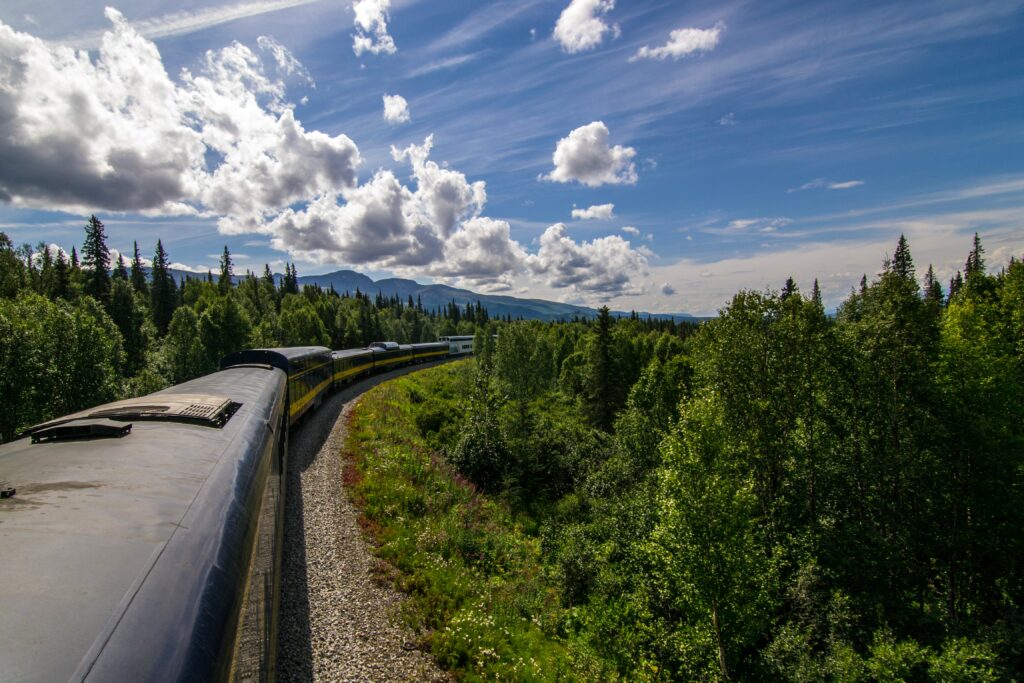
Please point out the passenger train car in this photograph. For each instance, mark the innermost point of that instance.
(459, 345)
(142, 538)
(310, 373)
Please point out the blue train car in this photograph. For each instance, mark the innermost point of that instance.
(142, 537)
(309, 369)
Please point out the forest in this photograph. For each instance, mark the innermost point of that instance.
(778, 494)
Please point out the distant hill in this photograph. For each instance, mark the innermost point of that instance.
(436, 296)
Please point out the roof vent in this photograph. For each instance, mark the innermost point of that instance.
(198, 409)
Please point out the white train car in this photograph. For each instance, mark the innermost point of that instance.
(459, 345)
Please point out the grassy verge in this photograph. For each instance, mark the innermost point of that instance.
(478, 597)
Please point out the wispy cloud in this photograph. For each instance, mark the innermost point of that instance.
(180, 23)
(446, 63)
(823, 184)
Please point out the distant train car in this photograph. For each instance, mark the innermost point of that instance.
(309, 369)
(459, 345)
(389, 355)
(421, 353)
(142, 538)
(351, 364)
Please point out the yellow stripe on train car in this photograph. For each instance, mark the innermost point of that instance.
(309, 370)
(297, 406)
(352, 371)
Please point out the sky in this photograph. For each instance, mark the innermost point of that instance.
(655, 156)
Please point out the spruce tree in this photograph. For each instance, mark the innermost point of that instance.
(162, 292)
(789, 289)
(226, 272)
(600, 373)
(138, 274)
(932, 288)
(902, 263)
(96, 256)
(975, 266)
(61, 277)
(816, 295)
(121, 270)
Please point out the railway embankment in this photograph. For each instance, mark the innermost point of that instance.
(338, 623)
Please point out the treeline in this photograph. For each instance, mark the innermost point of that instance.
(79, 331)
(783, 495)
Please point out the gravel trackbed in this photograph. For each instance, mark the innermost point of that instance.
(336, 623)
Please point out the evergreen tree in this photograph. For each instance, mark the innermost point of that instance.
(226, 271)
(902, 263)
(121, 270)
(61, 277)
(974, 269)
(932, 288)
(600, 373)
(816, 295)
(163, 293)
(789, 289)
(138, 274)
(956, 283)
(74, 258)
(96, 255)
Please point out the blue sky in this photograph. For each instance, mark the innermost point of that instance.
(736, 142)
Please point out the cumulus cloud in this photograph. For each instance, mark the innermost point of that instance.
(581, 25)
(435, 229)
(728, 120)
(585, 156)
(604, 267)
(371, 23)
(631, 230)
(396, 109)
(823, 184)
(667, 289)
(116, 133)
(598, 211)
(683, 42)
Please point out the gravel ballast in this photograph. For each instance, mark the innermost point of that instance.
(336, 623)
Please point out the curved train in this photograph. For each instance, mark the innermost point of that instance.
(142, 538)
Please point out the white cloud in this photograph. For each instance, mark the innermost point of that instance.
(683, 42)
(116, 133)
(371, 23)
(286, 61)
(585, 156)
(631, 230)
(396, 109)
(180, 23)
(596, 212)
(581, 25)
(433, 230)
(727, 120)
(604, 267)
(444, 196)
(482, 254)
(748, 225)
(822, 183)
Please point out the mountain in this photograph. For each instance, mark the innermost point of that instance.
(436, 296)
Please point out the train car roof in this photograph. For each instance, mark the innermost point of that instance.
(459, 337)
(281, 357)
(346, 353)
(429, 345)
(111, 554)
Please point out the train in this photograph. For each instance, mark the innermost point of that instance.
(142, 538)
